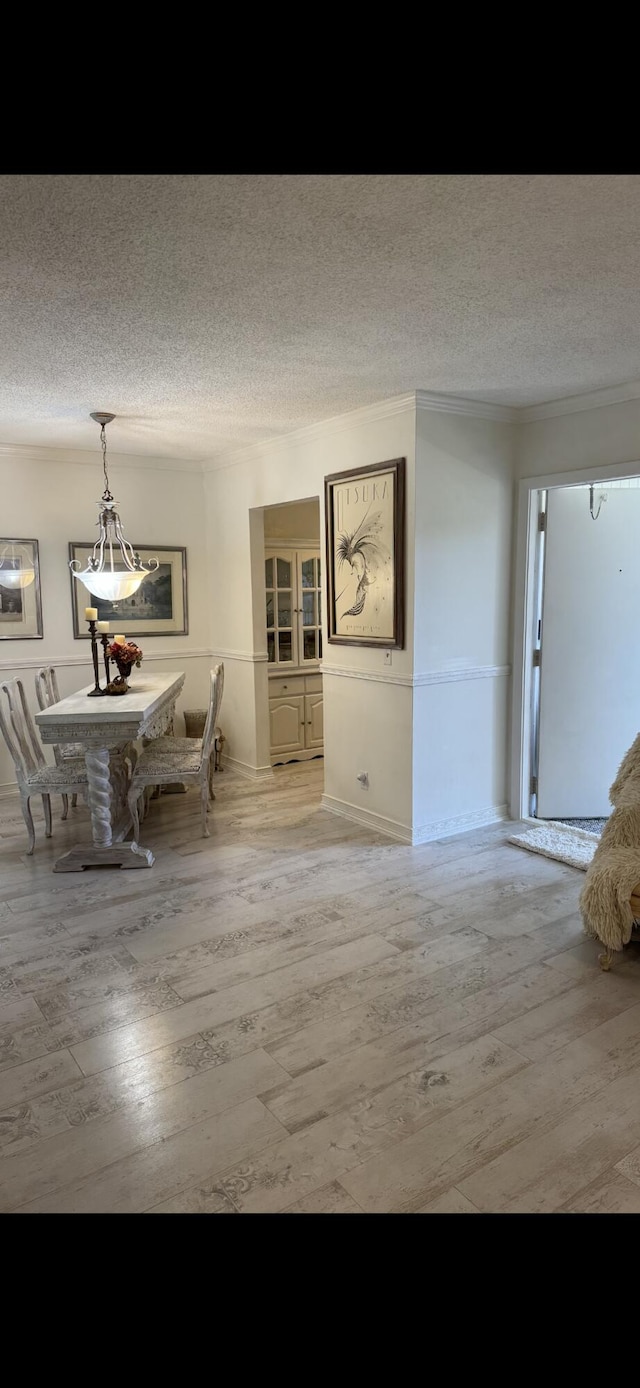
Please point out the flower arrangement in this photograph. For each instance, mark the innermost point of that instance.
(124, 654)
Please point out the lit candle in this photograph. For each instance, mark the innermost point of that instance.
(119, 640)
(91, 613)
(102, 626)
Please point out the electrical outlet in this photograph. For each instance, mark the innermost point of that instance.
(387, 657)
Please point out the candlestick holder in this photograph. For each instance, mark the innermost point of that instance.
(96, 692)
(105, 643)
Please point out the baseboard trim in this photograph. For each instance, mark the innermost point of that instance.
(287, 758)
(391, 827)
(251, 773)
(460, 824)
(8, 790)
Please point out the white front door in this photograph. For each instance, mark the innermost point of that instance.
(590, 649)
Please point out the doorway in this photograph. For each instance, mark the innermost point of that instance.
(585, 669)
(292, 609)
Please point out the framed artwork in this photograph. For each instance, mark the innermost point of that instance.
(158, 608)
(364, 511)
(20, 600)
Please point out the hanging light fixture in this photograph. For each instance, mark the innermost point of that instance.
(16, 566)
(114, 570)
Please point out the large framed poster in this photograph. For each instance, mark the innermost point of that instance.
(364, 513)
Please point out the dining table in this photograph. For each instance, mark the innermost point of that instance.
(102, 728)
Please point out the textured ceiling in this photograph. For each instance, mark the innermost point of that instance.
(211, 311)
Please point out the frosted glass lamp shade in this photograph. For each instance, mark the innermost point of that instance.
(16, 567)
(110, 585)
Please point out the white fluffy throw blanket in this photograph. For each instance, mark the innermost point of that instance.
(615, 870)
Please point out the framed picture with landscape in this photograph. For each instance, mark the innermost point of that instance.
(20, 602)
(364, 515)
(158, 608)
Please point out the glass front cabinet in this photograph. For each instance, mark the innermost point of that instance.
(293, 609)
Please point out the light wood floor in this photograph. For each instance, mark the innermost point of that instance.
(297, 1015)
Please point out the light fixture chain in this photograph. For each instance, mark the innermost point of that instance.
(103, 441)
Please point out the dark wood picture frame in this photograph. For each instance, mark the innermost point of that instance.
(176, 555)
(32, 601)
(396, 466)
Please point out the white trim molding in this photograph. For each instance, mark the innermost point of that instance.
(423, 677)
(64, 662)
(424, 833)
(392, 828)
(381, 676)
(460, 404)
(254, 657)
(573, 404)
(243, 768)
(335, 424)
(460, 824)
(81, 457)
(8, 790)
(474, 672)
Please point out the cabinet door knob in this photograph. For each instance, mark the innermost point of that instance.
(285, 686)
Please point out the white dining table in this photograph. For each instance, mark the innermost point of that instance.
(100, 726)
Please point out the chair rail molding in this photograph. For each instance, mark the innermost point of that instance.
(36, 662)
(423, 677)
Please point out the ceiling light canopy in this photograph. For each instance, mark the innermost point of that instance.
(16, 566)
(114, 570)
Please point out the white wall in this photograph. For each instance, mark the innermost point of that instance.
(463, 522)
(598, 443)
(48, 497)
(368, 708)
(300, 521)
(598, 437)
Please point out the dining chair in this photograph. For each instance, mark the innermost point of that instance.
(47, 693)
(33, 775)
(189, 763)
(179, 745)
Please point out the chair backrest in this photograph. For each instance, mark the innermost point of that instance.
(19, 730)
(47, 692)
(215, 700)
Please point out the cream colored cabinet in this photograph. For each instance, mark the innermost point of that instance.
(313, 720)
(293, 607)
(286, 716)
(295, 717)
(293, 604)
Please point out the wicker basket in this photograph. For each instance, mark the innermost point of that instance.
(194, 721)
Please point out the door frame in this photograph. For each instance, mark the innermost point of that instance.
(525, 614)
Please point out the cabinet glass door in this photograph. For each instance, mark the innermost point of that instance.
(280, 605)
(310, 612)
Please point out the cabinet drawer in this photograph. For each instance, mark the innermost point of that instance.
(313, 684)
(279, 688)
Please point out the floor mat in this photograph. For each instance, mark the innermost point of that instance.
(564, 842)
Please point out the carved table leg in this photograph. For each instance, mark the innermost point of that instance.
(105, 794)
(99, 795)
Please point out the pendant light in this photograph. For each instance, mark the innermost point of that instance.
(16, 566)
(114, 571)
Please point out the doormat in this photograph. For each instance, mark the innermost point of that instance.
(560, 841)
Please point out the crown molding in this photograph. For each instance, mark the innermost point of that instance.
(41, 453)
(459, 404)
(573, 404)
(336, 424)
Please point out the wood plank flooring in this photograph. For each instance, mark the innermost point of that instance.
(300, 1016)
